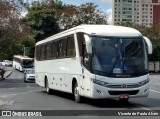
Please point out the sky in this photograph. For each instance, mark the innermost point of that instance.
(102, 4)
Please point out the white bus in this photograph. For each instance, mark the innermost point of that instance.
(95, 61)
(22, 62)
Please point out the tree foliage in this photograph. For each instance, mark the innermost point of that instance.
(42, 20)
(11, 29)
(87, 13)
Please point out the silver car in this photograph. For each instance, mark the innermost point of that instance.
(29, 76)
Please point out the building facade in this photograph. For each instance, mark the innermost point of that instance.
(142, 12)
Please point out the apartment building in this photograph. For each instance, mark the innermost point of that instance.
(143, 12)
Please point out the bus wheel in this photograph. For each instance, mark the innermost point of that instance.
(48, 90)
(77, 97)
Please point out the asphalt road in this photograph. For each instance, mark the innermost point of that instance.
(17, 95)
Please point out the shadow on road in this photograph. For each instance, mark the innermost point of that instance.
(101, 103)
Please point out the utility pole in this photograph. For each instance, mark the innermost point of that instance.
(24, 51)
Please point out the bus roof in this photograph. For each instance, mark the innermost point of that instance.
(22, 57)
(102, 30)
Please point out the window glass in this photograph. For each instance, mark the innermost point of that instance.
(54, 48)
(81, 40)
(38, 48)
(48, 50)
(71, 52)
(63, 47)
(60, 52)
(42, 55)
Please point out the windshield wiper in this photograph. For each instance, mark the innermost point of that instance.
(117, 58)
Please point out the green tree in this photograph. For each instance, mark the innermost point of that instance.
(42, 20)
(87, 13)
(11, 29)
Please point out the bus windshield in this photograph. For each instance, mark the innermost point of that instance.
(27, 63)
(119, 56)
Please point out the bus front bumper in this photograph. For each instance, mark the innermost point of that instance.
(100, 92)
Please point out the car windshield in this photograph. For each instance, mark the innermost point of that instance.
(119, 55)
(31, 72)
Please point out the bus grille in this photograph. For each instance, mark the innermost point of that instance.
(133, 92)
(120, 86)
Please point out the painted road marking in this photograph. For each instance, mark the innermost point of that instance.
(154, 91)
(19, 93)
(144, 108)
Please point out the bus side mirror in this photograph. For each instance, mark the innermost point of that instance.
(149, 45)
(88, 44)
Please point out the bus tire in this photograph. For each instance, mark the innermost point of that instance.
(77, 97)
(48, 90)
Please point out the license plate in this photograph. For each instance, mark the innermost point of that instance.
(123, 96)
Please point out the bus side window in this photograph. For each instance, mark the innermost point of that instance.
(54, 49)
(59, 48)
(38, 48)
(42, 55)
(82, 50)
(64, 42)
(48, 50)
(71, 52)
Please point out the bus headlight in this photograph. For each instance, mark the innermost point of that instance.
(101, 83)
(144, 82)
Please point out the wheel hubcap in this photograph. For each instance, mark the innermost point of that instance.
(47, 89)
(76, 92)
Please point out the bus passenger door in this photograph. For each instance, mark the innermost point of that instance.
(86, 82)
(85, 62)
(85, 72)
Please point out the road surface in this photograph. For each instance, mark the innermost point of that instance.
(17, 95)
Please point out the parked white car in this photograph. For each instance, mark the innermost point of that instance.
(6, 63)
